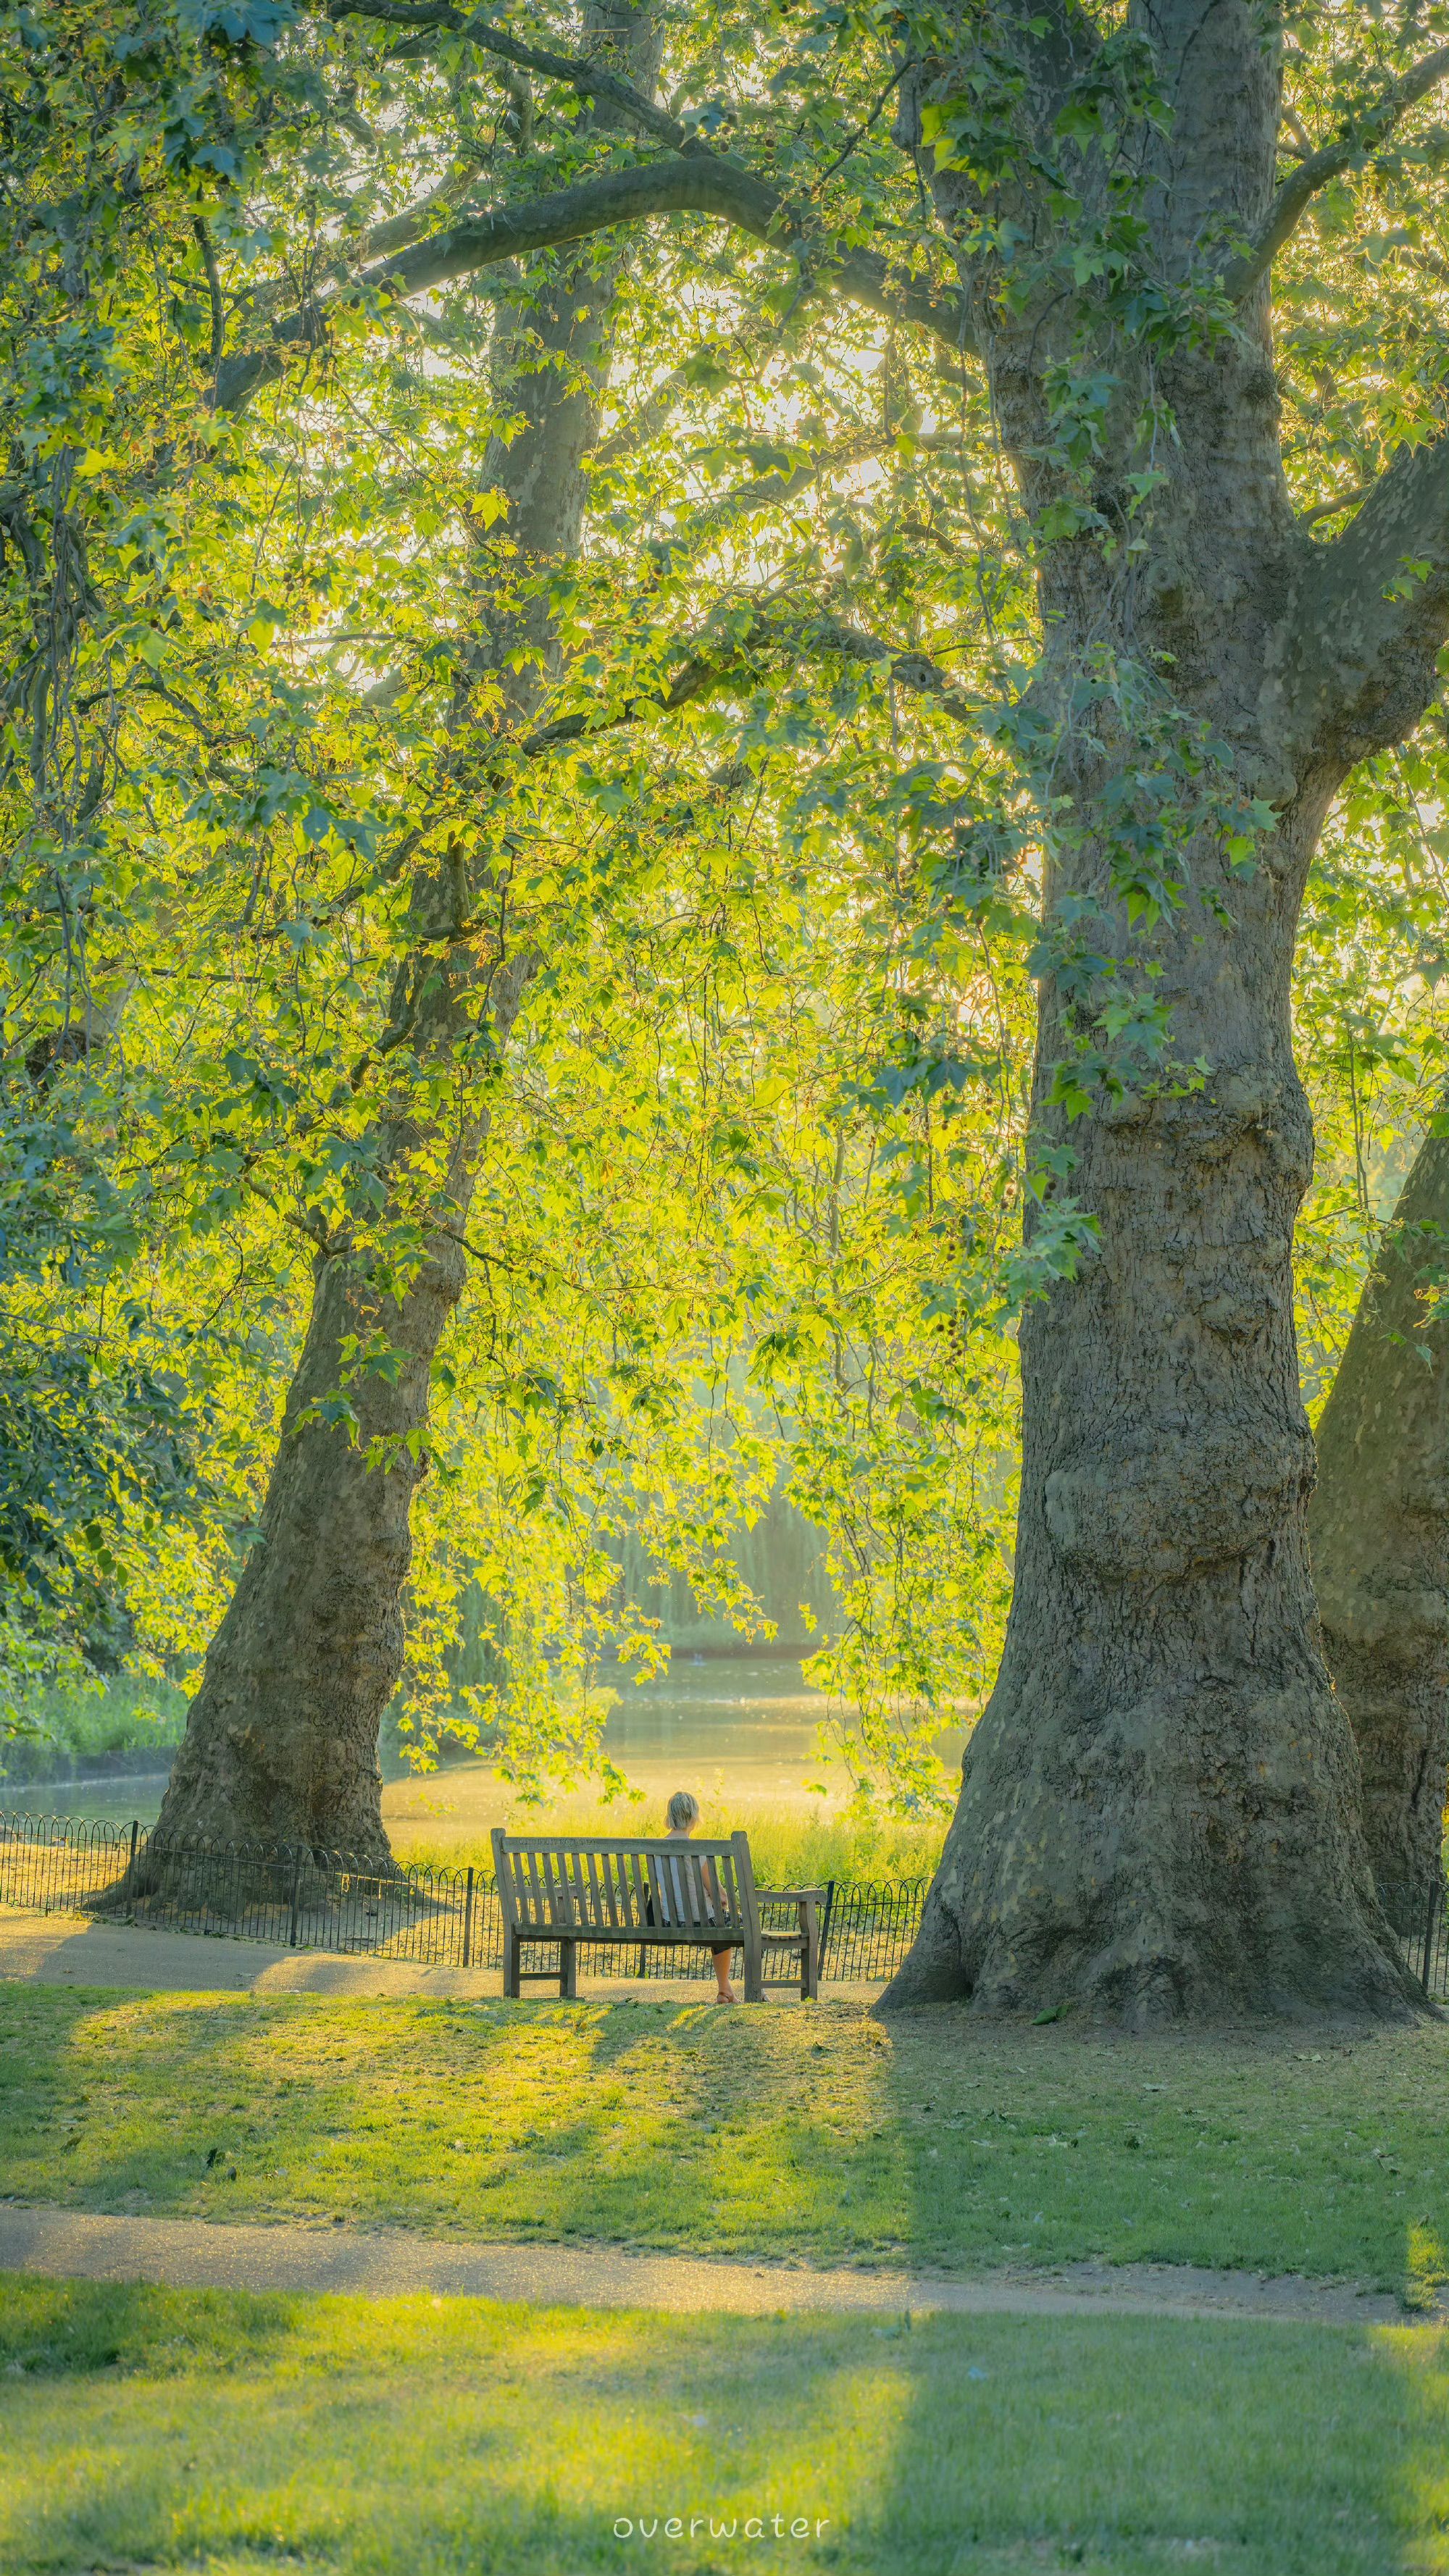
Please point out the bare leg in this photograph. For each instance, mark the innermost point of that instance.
(722, 1963)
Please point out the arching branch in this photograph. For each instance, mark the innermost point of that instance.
(711, 663)
(1374, 613)
(803, 633)
(693, 182)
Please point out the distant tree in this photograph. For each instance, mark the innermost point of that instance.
(281, 1739)
(99, 1443)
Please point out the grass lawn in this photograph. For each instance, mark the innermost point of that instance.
(797, 2132)
(148, 2429)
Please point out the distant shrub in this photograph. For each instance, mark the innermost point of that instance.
(79, 1731)
(790, 1844)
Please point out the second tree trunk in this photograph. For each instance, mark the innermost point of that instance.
(1379, 1530)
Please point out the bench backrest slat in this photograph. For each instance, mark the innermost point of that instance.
(560, 1891)
(601, 1909)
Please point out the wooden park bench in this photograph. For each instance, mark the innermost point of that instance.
(638, 1895)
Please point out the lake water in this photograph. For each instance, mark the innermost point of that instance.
(750, 1717)
(746, 1724)
(110, 1802)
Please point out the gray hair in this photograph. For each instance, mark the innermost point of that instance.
(683, 1809)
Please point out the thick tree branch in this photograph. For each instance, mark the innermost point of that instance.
(711, 663)
(693, 182)
(1334, 509)
(1302, 185)
(590, 80)
(1374, 612)
(213, 287)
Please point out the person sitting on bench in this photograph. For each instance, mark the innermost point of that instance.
(683, 1815)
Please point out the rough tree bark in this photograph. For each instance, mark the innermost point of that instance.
(281, 1739)
(1159, 1812)
(1378, 1526)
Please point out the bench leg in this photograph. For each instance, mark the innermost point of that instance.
(510, 1963)
(754, 1972)
(810, 1967)
(568, 1970)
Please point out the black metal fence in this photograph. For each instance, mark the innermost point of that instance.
(317, 1900)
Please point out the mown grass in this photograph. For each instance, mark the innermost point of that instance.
(787, 2131)
(230, 2435)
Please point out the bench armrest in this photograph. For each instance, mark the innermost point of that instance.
(807, 1903)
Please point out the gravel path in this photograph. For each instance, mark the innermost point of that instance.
(71, 1950)
(193, 2254)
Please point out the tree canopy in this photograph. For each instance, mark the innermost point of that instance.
(788, 833)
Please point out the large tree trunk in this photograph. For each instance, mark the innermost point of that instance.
(1159, 1808)
(1379, 1528)
(281, 1739)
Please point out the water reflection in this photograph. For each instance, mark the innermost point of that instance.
(748, 1724)
(111, 1801)
(751, 1718)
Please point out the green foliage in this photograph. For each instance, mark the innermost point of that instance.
(80, 1724)
(760, 1185)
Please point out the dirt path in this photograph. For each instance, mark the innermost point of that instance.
(190, 2253)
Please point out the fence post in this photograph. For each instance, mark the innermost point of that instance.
(468, 1920)
(131, 1867)
(825, 1922)
(296, 1898)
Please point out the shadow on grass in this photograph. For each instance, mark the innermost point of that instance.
(1131, 2444)
(427, 2438)
(409, 2438)
(53, 2329)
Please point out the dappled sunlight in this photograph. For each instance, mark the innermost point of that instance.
(453, 2436)
(805, 2133)
(778, 2130)
(662, 2420)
